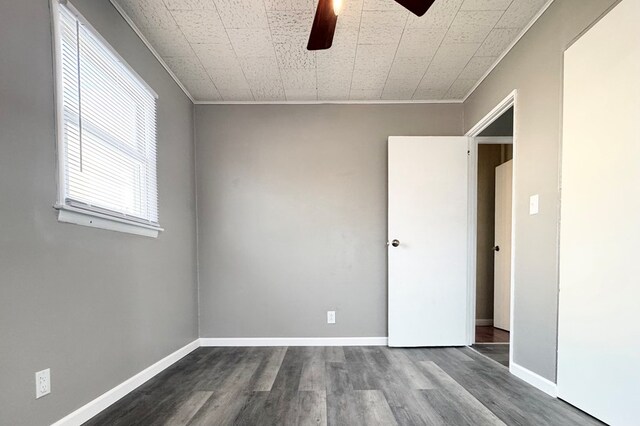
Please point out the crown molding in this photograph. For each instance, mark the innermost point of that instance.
(155, 53)
(323, 102)
(337, 102)
(511, 46)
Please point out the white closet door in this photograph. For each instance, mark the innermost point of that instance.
(599, 327)
(502, 257)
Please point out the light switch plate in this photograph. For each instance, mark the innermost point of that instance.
(534, 204)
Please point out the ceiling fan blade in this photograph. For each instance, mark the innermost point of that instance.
(417, 7)
(324, 25)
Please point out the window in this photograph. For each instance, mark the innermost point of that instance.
(106, 132)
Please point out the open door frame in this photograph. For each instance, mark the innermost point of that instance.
(504, 105)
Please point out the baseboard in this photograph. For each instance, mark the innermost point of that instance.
(102, 402)
(536, 380)
(484, 322)
(293, 341)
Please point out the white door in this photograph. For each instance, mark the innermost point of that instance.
(599, 304)
(502, 254)
(428, 223)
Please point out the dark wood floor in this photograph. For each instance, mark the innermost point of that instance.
(338, 386)
(489, 334)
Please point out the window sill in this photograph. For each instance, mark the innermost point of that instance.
(92, 219)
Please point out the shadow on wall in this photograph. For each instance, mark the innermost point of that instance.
(503, 126)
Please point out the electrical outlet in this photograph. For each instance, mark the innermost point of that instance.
(331, 317)
(43, 383)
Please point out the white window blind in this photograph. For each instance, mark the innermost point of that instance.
(108, 127)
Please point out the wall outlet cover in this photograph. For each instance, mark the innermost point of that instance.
(43, 383)
(331, 317)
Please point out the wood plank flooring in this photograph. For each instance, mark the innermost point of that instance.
(489, 334)
(338, 386)
(498, 352)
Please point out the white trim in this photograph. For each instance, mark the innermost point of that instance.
(311, 102)
(496, 112)
(365, 102)
(472, 237)
(484, 322)
(155, 53)
(59, 120)
(108, 398)
(68, 214)
(511, 46)
(513, 227)
(338, 102)
(505, 104)
(293, 341)
(536, 380)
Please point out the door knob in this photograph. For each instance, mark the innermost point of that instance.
(496, 248)
(395, 243)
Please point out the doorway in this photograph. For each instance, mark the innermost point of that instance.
(432, 221)
(492, 188)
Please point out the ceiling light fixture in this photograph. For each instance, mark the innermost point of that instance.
(324, 22)
(337, 7)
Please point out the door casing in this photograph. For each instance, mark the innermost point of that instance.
(510, 101)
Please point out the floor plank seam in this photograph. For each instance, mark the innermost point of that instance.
(489, 358)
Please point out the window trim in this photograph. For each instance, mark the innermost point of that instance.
(78, 216)
(68, 213)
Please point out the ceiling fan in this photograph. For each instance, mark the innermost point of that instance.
(324, 23)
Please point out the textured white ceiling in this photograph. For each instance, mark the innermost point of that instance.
(255, 50)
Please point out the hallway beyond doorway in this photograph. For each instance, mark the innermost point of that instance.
(493, 343)
(489, 334)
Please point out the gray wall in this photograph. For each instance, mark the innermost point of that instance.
(502, 126)
(95, 306)
(292, 211)
(534, 68)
